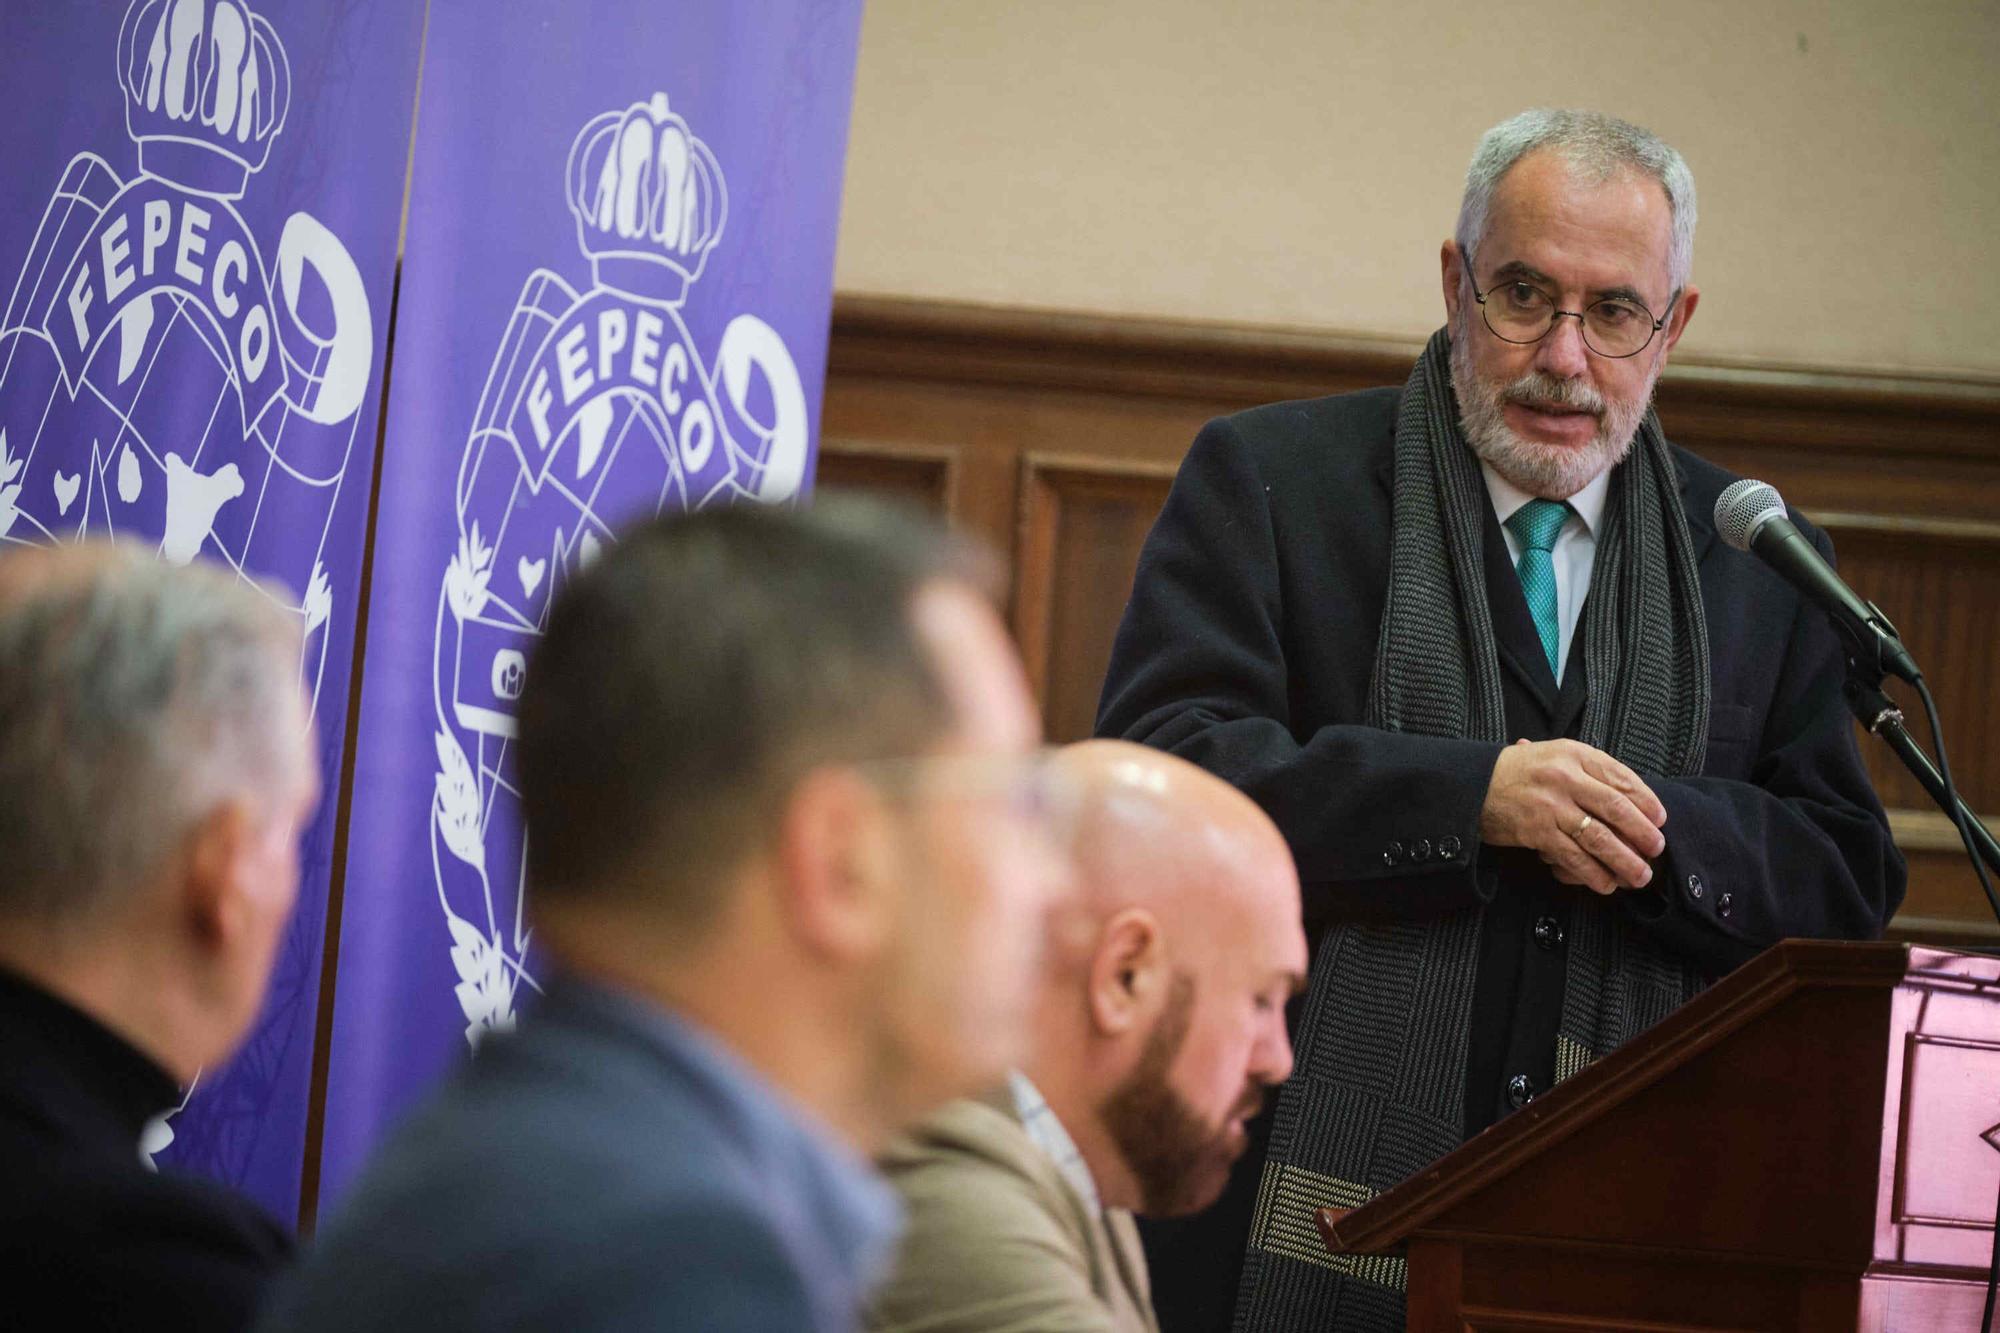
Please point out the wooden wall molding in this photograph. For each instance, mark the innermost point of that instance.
(922, 474)
(1931, 531)
(1055, 438)
(1082, 520)
(1238, 365)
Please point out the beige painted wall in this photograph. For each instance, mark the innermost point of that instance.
(1294, 163)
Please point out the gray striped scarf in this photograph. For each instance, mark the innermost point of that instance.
(1379, 1091)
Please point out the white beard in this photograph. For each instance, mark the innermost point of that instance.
(1553, 471)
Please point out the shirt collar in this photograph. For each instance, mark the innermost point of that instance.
(1048, 1134)
(1588, 502)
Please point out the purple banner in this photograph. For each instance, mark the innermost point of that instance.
(197, 253)
(616, 287)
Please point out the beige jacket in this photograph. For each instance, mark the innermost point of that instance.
(998, 1241)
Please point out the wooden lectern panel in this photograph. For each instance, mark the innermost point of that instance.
(1810, 1145)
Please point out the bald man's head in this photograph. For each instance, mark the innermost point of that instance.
(1186, 947)
(1156, 831)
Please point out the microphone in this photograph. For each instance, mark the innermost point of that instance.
(1750, 516)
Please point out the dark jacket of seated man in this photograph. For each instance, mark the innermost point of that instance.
(90, 1237)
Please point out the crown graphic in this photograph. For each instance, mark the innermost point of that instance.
(206, 90)
(649, 200)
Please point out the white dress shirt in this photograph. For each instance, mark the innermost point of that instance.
(1573, 554)
(1048, 1134)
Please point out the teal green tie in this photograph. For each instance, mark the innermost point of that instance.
(1535, 525)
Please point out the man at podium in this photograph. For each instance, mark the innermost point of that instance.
(1550, 756)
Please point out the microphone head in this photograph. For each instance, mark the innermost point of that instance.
(1744, 507)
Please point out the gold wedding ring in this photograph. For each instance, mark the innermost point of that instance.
(1587, 822)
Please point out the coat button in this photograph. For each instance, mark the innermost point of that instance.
(1420, 850)
(1392, 855)
(1449, 848)
(1520, 1091)
(1548, 932)
(1694, 887)
(1723, 902)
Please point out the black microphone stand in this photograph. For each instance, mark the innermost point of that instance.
(1881, 715)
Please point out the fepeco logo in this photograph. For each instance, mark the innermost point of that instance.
(599, 408)
(162, 380)
(133, 285)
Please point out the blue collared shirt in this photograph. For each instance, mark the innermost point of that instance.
(608, 1166)
(843, 1219)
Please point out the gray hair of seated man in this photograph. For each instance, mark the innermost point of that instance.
(135, 697)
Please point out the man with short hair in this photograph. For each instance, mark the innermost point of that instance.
(1550, 756)
(156, 766)
(1161, 1028)
(787, 854)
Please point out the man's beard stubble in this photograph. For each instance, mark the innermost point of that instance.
(1554, 471)
(1179, 1160)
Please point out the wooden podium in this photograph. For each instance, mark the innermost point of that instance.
(1808, 1145)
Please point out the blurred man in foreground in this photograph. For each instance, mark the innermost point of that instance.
(1160, 1028)
(155, 770)
(787, 859)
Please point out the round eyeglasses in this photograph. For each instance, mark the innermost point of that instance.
(1517, 311)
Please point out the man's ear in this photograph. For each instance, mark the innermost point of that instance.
(213, 893)
(1450, 262)
(836, 864)
(1128, 973)
(1678, 321)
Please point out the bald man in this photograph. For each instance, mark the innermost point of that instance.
(1160, 1028)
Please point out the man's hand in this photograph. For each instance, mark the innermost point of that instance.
(1592, 820)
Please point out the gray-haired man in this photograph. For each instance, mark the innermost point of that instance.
(155, 769)
(1549, 755)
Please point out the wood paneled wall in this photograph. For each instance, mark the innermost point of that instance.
(1056, 437)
